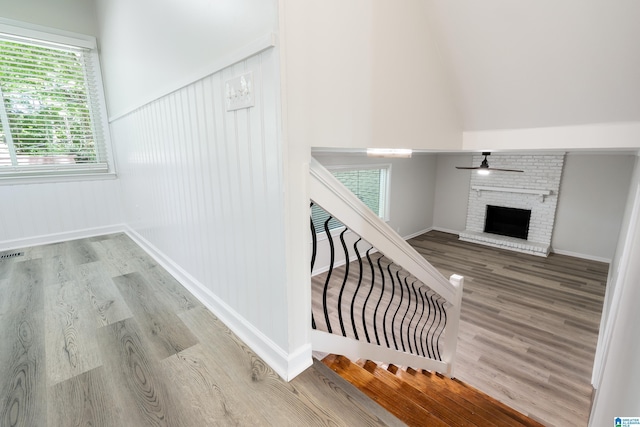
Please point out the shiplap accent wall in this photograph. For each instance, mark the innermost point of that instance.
(202, 189)
(37, 213)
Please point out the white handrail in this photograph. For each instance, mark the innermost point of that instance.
(328, 192)
(453, 324)
(331, 194)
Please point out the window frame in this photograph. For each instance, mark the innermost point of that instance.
(385, 198)
(63, 173)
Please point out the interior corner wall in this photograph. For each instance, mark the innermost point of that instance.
(617, 367)
(411, 191)
(78, 16)
(37, 213)
(202, 189)
(411, 195)
(366, 74)
(452, 193)
(151, 47)
(593, 194)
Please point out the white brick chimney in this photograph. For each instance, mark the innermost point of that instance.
(536, 189)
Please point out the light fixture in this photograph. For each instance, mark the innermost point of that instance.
(484, 171)
(389, 152)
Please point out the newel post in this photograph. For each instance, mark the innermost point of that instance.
(453, 323)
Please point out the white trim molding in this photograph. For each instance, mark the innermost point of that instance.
(263, 43)
(579, 255)
(287, 365)
(46, 239)
(621, 135)
(541, 193)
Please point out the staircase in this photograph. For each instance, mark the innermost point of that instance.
(423, 398)
(391, 304)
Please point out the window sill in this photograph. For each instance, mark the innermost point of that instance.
(20, 180)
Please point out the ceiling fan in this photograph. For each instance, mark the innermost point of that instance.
(484, 166)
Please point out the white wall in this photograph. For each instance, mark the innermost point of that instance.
(365, 74)
(512, 75)
(202, 188)
(37, 213)
(32, 214)
(452, 190)
(593, 194)
(70, 15)
(152, 47)
(617, 374)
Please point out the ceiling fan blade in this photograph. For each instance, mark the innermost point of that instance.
(504, 170)
(485, 165)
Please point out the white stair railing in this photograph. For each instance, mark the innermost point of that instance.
(416, 308)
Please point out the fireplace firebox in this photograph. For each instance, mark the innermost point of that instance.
(505, 221)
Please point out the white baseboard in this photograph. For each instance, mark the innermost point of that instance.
(446, 230)
(46, 239)
(287, 365)
(299, 361)
(418, 233)
(583, 256)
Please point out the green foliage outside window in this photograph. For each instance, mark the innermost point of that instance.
(44, 93)
(369, 185)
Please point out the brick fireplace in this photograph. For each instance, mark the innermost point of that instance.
(536, 190)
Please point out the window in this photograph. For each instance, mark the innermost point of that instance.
(368, 183)
(51, 104)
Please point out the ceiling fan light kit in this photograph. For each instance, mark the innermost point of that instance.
(484, 168)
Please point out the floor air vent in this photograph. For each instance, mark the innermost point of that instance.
(11, 255)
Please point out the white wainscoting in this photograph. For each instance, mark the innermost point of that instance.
(204, 188)
(35, 214)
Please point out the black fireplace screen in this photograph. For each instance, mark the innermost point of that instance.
(510, 222)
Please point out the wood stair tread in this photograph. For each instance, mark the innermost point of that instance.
(480, 399)
(449, 401)
(473, 403)
(428, 401)
(406, 410)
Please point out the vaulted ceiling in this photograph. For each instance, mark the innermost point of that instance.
(540, 63)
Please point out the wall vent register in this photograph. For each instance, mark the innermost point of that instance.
(11, 255)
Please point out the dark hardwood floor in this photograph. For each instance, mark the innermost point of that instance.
(94, 332)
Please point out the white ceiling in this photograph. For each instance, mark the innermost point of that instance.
(539, 63)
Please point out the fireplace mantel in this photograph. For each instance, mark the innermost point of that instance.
(536, 189)
(541, 193)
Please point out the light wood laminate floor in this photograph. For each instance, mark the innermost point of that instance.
(94, 332)
(529, 325)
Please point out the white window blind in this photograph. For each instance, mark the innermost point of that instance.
(369, 184)
(50, 109)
